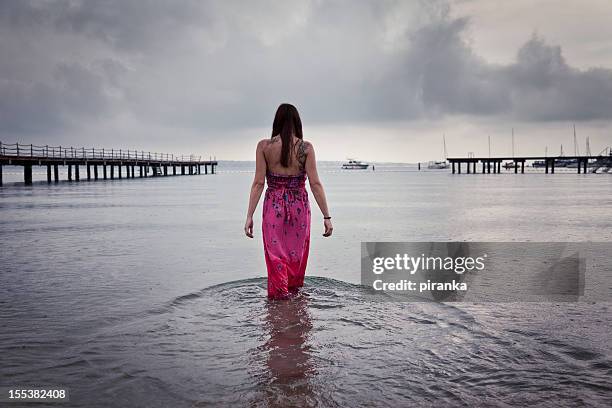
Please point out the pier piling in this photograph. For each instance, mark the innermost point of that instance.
(27, 174)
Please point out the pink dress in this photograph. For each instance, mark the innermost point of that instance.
(286, 232)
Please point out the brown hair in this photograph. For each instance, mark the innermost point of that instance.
(287, 122)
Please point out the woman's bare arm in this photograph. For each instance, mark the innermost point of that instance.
(256, 188)
(317, 188)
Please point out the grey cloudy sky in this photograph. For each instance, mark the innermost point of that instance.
(380, 80)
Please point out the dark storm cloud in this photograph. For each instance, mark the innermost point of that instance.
(539, 86)
(73, 92)
(224, 64)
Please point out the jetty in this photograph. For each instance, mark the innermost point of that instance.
(494, 164)
(102, 164)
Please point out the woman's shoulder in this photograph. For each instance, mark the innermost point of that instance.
(263, 143)
(306, 145)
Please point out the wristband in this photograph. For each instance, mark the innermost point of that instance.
(327, 218)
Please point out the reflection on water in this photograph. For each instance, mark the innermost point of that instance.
(333, 345)
(289, 364)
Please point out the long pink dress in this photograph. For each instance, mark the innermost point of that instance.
(286, 232)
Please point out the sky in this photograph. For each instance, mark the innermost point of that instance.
(378, 80)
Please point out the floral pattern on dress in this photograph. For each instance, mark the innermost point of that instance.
(286, 232)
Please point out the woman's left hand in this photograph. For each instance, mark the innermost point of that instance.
(248, 227)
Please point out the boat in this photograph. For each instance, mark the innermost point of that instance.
(508, 165)
(562, 162)
(440, 164)
(437, 165)
(572, 163)
(559, 162)
(354, 164)
(603, 162)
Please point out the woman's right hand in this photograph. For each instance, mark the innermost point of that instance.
(248, 227)
(328, 228)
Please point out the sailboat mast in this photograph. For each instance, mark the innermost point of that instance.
(512, 142)
(444, 142)
(576, 150)
(588, 147)
(489, 137)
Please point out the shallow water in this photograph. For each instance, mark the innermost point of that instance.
(145, 293)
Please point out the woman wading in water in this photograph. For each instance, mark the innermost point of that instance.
(285, 161)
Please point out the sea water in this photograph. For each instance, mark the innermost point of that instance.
(145, 292)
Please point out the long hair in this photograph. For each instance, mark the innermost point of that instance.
(287, 122)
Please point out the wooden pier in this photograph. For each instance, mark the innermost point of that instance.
(112, 163)
(494, 164)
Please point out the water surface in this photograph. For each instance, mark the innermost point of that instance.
(145, 292)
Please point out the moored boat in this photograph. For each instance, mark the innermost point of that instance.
(437, 165)
(440, 164)
(353, 164)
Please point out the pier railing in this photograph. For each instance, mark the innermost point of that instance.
(57, 152)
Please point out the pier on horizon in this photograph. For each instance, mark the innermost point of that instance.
(93, 159)
(495, 163)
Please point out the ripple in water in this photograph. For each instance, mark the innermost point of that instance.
(333, 344)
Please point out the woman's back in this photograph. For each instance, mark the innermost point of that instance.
(285, 161)
(297, 156)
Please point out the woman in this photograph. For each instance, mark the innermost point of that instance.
(285, 160)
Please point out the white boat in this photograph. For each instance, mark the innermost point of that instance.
(353, 164)
(440, 164)
(437, 165)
